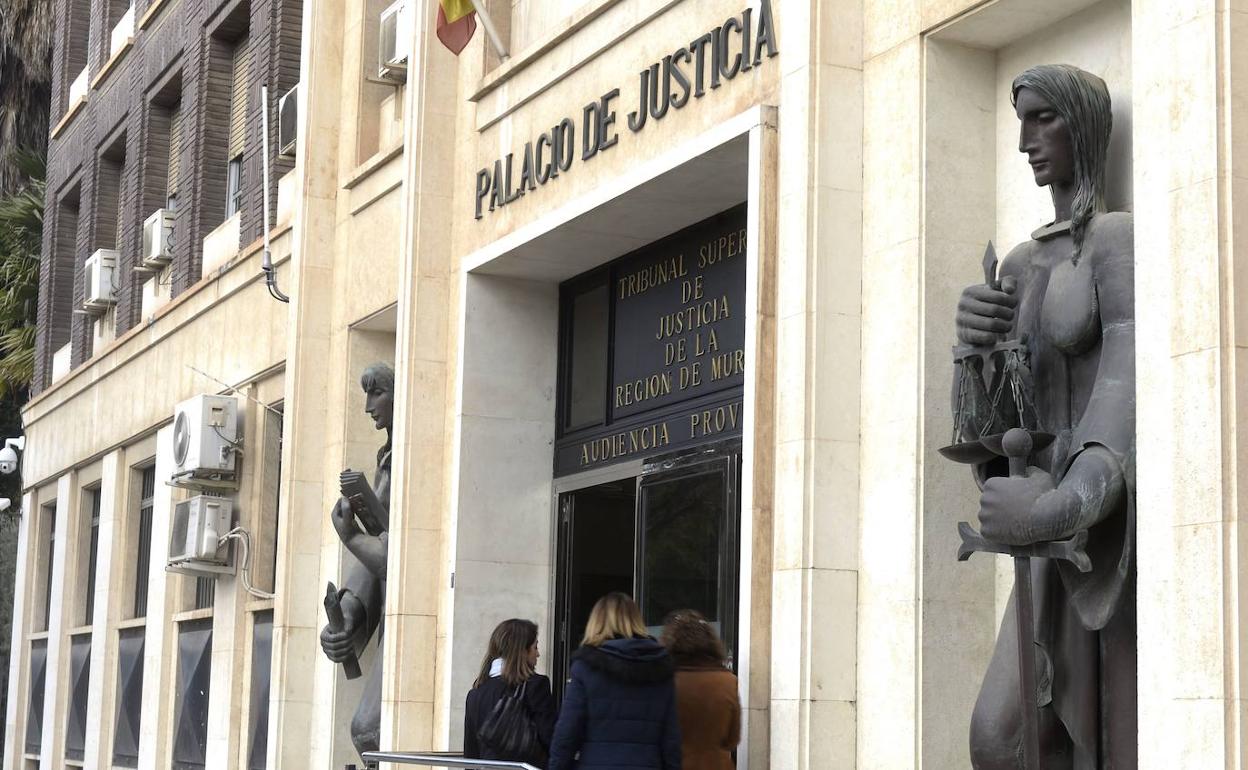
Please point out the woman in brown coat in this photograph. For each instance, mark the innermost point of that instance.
(706, 693)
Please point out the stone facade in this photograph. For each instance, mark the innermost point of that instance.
(876, 152)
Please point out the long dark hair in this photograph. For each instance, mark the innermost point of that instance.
(691, 641)
(1082, 100)
(510, 641)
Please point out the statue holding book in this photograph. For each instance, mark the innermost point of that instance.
(361, 517)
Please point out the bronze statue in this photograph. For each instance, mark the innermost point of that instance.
(1064, 304)
(361, 518)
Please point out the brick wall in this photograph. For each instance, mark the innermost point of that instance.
(183, 56)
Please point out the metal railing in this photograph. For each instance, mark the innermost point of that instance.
(447, 759)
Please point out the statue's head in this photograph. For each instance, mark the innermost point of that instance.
(378, 384)
(1066, 123)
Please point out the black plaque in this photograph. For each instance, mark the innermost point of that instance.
(675, 342)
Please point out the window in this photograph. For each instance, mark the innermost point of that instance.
(143, 555)
(93, 542)
(205, 592)
(239, 81)
(75, 46)
(234, 187)
(173, 178)
(49, 517)
(109, 215)
(38, 683)
(80, 686)
(587, 339)
(261, 661)
(129, 697)
(194, 679)
(65, 263)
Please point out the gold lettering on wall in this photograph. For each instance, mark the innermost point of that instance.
(625, 443)
(709, 422)
(641, 281)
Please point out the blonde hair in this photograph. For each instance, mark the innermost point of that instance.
(614, 616)
(510, 641)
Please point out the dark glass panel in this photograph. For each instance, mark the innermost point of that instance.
(190, 735)
(80, 686)
(50, 512)
(205, 592)
(261, 662)
(96, 498)
(684, 544)
(38, 681)
(142, 565)
(587, 358)
(129, 697)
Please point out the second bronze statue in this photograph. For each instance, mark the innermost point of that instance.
(361, 518)
(1064, 300)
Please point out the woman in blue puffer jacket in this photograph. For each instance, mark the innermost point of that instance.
(619, 709)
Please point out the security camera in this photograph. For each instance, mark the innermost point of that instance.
(5, 504)
(8, 455)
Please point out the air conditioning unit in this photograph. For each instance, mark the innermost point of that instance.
(205, 437)
(195, 535)
(98, 292)
(287, 122)
(157, 241)
(394, 42)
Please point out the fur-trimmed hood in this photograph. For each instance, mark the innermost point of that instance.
(634, 661)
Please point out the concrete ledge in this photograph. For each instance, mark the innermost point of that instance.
(112, 62)
(65, 120)
(151, 13)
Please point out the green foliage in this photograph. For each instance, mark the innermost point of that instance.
(21, 237)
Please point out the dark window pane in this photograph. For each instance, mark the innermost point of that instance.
(205, 592)
(47, 566)
(96, 497)
(194, 676)
(143, 561)
(38, 680)
(587, 367)
(684, 521)
(80, 686)
(129, 697)
(261, 660)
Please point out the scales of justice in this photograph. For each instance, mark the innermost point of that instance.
(995, 417)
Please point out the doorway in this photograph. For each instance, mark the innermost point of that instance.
(667, 536)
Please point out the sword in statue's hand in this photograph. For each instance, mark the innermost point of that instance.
(1016, 444)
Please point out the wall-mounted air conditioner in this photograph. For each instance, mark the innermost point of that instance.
(157, 241)
(205, 437)
(98, 292)
(394, 42)
(287, 122)
(195, 533)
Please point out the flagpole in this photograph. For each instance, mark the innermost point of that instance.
(490, 31)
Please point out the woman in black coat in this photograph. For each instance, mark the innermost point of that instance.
(619, 710)
(510, 663)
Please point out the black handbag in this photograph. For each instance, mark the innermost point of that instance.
(509, 733)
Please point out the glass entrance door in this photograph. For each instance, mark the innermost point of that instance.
(667, 537)
(687, 519)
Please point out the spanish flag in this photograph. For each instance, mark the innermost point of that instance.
(456, 23)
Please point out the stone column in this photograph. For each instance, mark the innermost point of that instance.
(108, 608)
(19, 649)
(303, 713)
(160, 644)
(415, 704)
(1189, 89)
(814, 591)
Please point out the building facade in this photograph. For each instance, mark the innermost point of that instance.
(667, 292)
